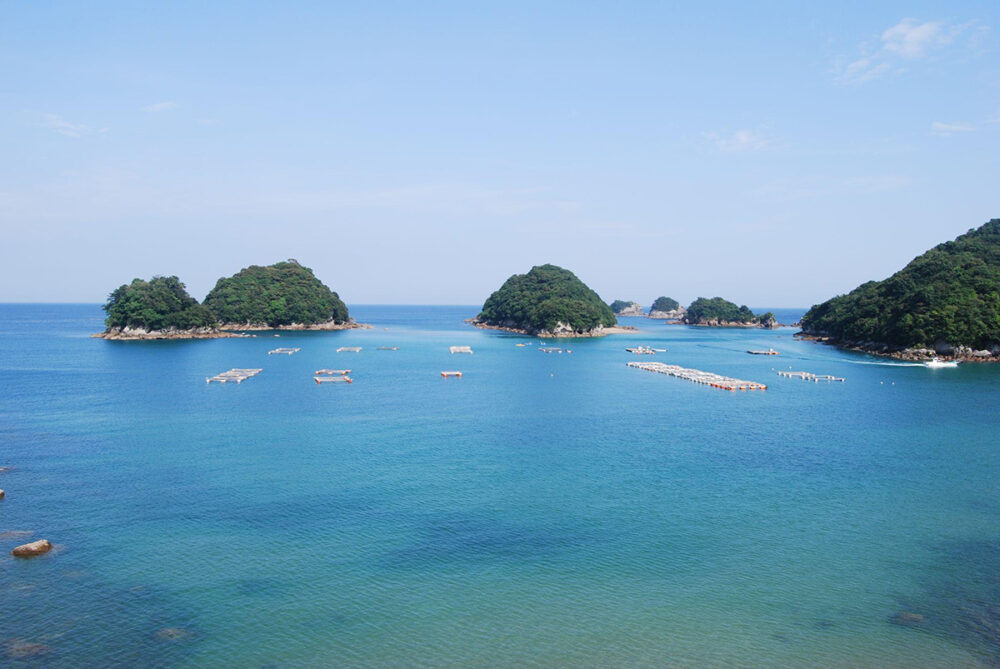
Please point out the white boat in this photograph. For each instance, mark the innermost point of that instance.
(935, 363)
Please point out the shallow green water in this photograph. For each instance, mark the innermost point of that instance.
(549, 510)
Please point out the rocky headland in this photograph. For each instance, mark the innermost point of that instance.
(944, 303)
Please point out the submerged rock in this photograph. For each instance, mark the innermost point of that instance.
(16, 534)
(173, 634)
(907, 619)
(34, 548)
(16, 648)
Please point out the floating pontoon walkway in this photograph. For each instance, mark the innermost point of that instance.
(460, 349)
(331, 372)
(349, 349)
(237, 375)
(285, 351)
(808, 376)
(698, 376)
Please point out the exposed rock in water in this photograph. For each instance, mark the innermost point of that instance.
(39, 547)
(2, 493)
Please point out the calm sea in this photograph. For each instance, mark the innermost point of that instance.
(543, 510)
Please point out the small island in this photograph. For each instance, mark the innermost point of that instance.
(284, 296)
(667, 308)
(944, 303)
(548, 301)
(717, 312)
(623, 308)
(157, 309)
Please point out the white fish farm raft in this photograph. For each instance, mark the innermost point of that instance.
(234, 375)
(698, 376)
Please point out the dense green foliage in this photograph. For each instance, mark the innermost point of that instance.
(665, 304)
(542, 298)
(157, 304)
(619, 306)
(280, 294)
(950, 293)
(717, 310)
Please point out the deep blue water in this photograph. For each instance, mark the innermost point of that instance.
(545, 509)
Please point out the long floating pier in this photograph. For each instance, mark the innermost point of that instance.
(237, 375)
(808, 376)
(698, 376)
(284, 351)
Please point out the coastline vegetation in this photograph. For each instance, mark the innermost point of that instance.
(949, 294)
(544, 299)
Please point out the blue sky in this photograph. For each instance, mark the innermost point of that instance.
(772, 153)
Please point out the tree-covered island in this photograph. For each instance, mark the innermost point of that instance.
(626, 308)
(945, 302)
(718, 312)
(548, 301)
(283, 296)
(156, 309)
(664, 303)
(667, 308)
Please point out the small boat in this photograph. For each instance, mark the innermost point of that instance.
(644, 350)
(935, 363)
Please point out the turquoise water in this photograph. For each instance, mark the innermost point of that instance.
(546, 510)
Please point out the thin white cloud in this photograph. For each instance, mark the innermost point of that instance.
(911, 39)
(738, 141)
(57, 123)
(946, 129)
(906, 42)
(160, 106)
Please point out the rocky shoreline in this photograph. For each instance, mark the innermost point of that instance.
(323, 327)
(565, 331)
(941, 350)
(224, 331)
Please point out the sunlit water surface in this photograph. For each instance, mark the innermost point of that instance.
(544, 509)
